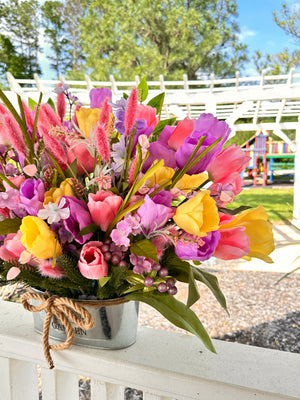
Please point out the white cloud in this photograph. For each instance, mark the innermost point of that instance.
(246, 32)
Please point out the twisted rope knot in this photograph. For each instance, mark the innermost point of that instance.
(63, 308)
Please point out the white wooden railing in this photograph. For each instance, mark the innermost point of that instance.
(164, 365)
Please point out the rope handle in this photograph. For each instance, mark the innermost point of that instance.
(63, 308)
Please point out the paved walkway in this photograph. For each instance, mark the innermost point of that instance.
(287, 249)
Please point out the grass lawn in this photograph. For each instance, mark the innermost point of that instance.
(277, 202)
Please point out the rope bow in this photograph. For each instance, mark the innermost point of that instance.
(63, 308)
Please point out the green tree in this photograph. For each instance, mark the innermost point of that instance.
(20, 25)
(73, 13)
(55, 33)
(168, 37)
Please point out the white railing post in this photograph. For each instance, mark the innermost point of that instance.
(114, 88)
(296, 212)
(89, 84)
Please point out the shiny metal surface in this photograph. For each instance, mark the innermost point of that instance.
(115, 326)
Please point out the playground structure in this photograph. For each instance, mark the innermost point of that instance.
(241, 101)
(268, 156)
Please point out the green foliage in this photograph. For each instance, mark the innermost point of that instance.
(116, 286)
(176, 312)
(161, 37)
(144, 248)
(10, 226)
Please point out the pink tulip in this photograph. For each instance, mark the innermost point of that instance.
(103, 207)
(30, 169)
(230, 160)
(12, 247)
(183, 129)
(16, 180)
(85, 162)
(233, 244)
(148, 113)
(91, 262)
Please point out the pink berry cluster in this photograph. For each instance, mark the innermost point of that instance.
(162, 287)
(114, 254)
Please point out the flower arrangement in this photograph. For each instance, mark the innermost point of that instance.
(114, 202)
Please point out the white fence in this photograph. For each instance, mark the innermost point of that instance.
(164, 365)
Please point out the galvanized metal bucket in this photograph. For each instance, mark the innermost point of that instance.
(115, 325)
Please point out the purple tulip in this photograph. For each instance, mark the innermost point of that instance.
(79, 218)
(209, 126)
(97, 96)
(32, 193)
(195, 248)
(160, 150)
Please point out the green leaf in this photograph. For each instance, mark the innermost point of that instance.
(103, 281)
(51, 103)
(177, 313)
(88, 229)
(144, 248)
(71, 171)
(135, 288)
(157, 102)
(31, 103)
(235, 211)
(143, 90)
(211, 281)
(10, 226)
(160, 126)
(125, 95)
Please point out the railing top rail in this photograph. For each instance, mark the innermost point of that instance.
(172, 364)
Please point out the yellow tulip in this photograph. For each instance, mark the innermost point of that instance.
(38, 238)
(87, 119)
(198, 215)
(190, 182)
(54, 194)
(161, 176)
(259, 231)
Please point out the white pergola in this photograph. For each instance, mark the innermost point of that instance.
(256, 99)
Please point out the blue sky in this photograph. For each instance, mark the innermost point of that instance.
(258, 31)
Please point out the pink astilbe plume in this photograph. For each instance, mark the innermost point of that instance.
(104, 115)
(48, 117)
(15, 134)
(61, 105)
(28, 116)
(131, 110)
(46, 269)
(54, 146)
(102, 144)
(131, 172)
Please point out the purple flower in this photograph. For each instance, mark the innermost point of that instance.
(98, 96)
(141, 264)
(160, 150)
(209, 126)
(153, 216)
(79, 218)
(195, 248)
(32, 193)
(163, 197)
